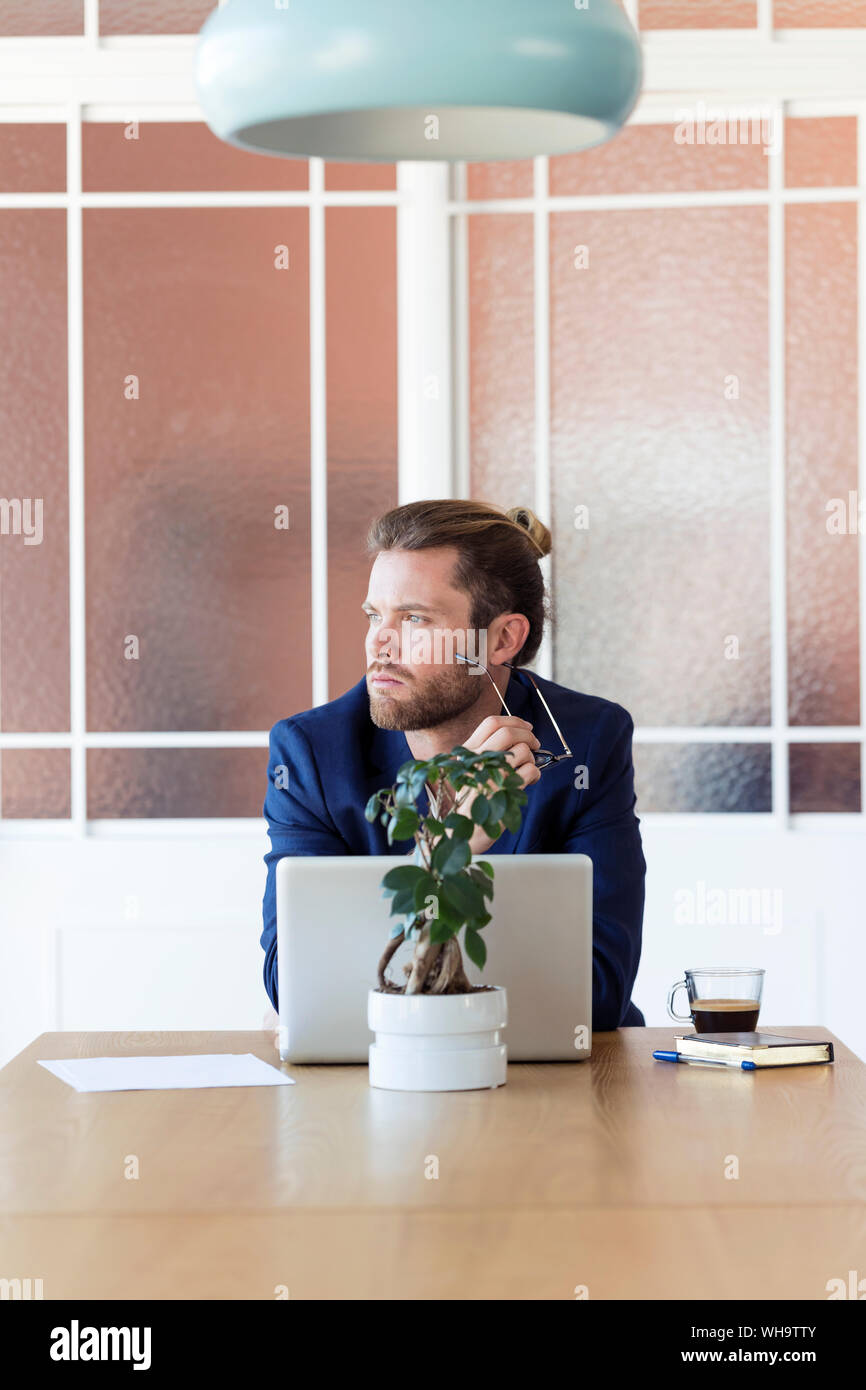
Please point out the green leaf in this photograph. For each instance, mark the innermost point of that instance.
(461, 826)
(418, 783)
(426, 887)
(403, 902)
(403, 796)
(480, 810)
(434, 826)
(483, 882)
(404, 876)
(403, 825)
(371, 810)
(512, 818)
(451, 855)
(476, 948)
(485, 866)
(498, 802)
(441, 931)
(464, 895)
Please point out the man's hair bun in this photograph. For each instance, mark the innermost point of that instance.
(535, 529)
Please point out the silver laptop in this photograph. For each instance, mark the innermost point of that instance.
(332, 927)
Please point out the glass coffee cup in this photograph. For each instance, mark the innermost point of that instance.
(722, 999)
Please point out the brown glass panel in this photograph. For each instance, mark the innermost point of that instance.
(501, 355)
(821, 151)
(507, 178)
(187, 308)
(825, 776)
(34, 783)
(32, 157)
(671, 158)
(184, 782)
(660, 461)
(698, 14)
(819, 14)
(40, 18)
(361, 259)
(177, 156)
(34, 487)
(153, 16)
(821, 365)
(363, 176)
(703, 777)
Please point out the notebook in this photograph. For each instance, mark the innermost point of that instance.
(764, 1049)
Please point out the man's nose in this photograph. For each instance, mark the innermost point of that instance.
(382, 643)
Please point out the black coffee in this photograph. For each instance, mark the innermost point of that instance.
(725, 1015)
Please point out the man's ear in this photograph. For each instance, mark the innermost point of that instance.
(506, 636)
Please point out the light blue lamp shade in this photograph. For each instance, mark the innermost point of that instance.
(417, 79)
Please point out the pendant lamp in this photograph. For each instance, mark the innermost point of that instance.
(385, 80)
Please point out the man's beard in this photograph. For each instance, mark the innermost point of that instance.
(444, 697)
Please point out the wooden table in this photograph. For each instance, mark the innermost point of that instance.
(608, 1175)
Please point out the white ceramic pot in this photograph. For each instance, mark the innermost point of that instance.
(438, 1042)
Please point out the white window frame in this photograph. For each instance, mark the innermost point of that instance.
(149, 78)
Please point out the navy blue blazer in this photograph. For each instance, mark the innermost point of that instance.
(324, 765)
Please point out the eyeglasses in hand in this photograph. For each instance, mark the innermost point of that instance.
(543, 757)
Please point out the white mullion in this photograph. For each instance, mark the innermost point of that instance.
(778, 481)
(164, 738)
(765, 19)
(425, 370)
(75, 377)
(861, 433)
(91, 23)
(318, 437)
(258, 738)
(541, 299)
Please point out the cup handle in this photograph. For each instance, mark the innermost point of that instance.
(678, 1018)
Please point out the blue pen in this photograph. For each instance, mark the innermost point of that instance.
(705, 1061)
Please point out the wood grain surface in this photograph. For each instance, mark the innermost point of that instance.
(613, 1174)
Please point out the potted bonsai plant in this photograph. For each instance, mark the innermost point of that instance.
(435, 1030)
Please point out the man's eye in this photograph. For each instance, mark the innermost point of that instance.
(371, 616)
(416, 616)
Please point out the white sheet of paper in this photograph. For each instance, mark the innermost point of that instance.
(166, 1073)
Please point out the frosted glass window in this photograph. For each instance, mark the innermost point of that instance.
(34, 783)
(698, 14)
(669, 158)
(34, 486)
(361, 298)
(660, 450)
(503, 178)
(359, 176)
(822, 430)
(32, 157)
(175, 782)
(153, 16)
(47, 18)
(501, 351)
(825, 776)
(819, 14)
(821, 151)
(197, 467)
(703, 777)
(177, 156)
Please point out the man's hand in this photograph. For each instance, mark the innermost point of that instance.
(501, 734)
